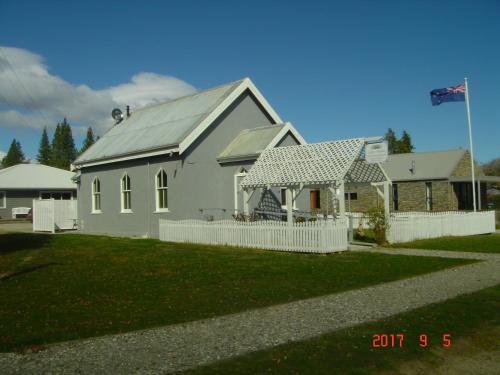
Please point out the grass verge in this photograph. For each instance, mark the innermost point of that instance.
(63, 287)
(472, 319)
(485, 243)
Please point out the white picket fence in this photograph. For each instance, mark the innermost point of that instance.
(322, 236)
(50, 215)
(405, 227)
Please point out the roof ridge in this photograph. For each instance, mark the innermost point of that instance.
(429, 152)
(190, 95)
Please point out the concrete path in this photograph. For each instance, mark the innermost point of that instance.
(19, 227)
(178, 347)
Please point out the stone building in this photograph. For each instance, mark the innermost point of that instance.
(421, 181)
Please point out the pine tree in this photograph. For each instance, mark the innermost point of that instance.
(70, 151)
(14, 156)
(392, 141)
(56, 154)
(89, 140)
(44, 151)
(398, 146)
(405, 145)
(63, 146)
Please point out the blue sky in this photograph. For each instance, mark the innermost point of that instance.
(336, 70)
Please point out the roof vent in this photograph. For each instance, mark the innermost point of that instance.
(412, 168)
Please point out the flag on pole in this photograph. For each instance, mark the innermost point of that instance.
(448, 94)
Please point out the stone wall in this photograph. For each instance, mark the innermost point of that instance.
(411, 194)
(463, 167)
(411, 197)
(367, 197)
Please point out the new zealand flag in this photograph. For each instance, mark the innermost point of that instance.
(449, 94)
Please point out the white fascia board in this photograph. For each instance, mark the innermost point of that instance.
(287, 128)
(207, 121)
(124, 158)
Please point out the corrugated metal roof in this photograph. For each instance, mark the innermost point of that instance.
(428, 165)
(250, 142)
(35, 176)
(158, 126)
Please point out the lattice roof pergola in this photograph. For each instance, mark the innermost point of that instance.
(326, 163)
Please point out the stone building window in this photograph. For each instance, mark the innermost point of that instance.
(351, 196)
(428, 196)
(395, 197)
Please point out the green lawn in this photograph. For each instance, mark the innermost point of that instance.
(486, 243)
(472, 320)
(63, 287)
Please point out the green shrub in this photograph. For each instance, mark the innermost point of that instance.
(378, 224)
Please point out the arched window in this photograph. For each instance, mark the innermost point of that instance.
(161, 191)
(126, 194)
(96, 195)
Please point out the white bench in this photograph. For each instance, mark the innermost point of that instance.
(22, 211)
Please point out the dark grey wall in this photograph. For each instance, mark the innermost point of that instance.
(195, 181)
(21, 198)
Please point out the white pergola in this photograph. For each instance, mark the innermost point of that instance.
(326, 164)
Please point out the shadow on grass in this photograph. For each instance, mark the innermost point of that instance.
(12, 242)
(27, 269)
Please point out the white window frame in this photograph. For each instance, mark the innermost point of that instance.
(3, 201)
(294, 198)
(96, 194)
(428, 196)
(123, 194)
(159, 189)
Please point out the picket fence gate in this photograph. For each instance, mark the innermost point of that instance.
(50, 215)
(322, 236)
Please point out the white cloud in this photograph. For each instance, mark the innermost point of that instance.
(2, 155)
(30, 96)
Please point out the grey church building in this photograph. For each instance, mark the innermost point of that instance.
(182, 159)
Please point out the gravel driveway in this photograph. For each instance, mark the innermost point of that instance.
(177, 347)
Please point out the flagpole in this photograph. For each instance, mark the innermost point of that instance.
(470, 145)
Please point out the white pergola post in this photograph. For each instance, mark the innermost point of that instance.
(384, 195)
(334, 198)
(289, 205)
(386, 199)
(341, 199)
(245, 201)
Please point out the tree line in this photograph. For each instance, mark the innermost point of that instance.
(397, 145)
(59, 153)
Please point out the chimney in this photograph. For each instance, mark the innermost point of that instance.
(128, 111)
